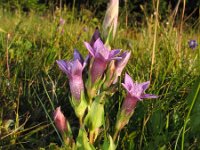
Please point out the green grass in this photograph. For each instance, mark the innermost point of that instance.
(31, 85)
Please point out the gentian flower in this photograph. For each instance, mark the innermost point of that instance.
(73, 70)
(192, 44)
(60, 120)
(101, 57)
(111, 16)
(120, 64)
(135, 93)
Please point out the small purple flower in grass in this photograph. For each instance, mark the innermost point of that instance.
(101, 57)
(192, 44)
(62, 21)
(73, 70)
(135, 93)
(60, 120)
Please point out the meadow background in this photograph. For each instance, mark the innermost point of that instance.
(157, 34)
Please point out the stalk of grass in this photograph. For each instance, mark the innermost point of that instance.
(154, 38)
(181, 32)
(7, 56)
(46, 112)
(173, 15)
(50, 101)
(126, 10)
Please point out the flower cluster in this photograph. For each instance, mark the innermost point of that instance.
(102, 67)
(92, 83)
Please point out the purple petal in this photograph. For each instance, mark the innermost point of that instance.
(128, 81)
(101, 57)
(63, 66)
(126, 87)
(95, 36)
(126, 55)
(101, 49)
(86, 61)
(114, 52)
(98, 68)
(90, 49)
(120, 64)
(76, 87)
(145, 85)
(115, 58)
(148, 96)
(76, 68)
(78, 56)
(98, 44)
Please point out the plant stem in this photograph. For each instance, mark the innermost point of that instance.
(80, 121)
(7, 57)
(154, 39)
(115, 135)
(91, 137)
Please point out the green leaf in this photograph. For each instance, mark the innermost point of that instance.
(95, 116)
(80, 110)
(82, 142)
(109, 145)
(81, 107)
(195, 111)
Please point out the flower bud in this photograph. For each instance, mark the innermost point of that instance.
(60, 120)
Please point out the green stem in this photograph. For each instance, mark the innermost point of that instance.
(187, 117)
(91, 137)
(81, 121)
(115, 135)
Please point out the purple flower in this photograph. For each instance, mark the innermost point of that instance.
(73, 70)
(101, 57)
(135, 93)
(192, 44)
(60, 120)
(120, 64)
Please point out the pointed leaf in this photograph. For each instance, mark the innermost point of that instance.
(82, 141)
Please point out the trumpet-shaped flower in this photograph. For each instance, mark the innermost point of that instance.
(111, 16)
(135, 93)
(101, 57)
(60, 120)
(73, 70)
